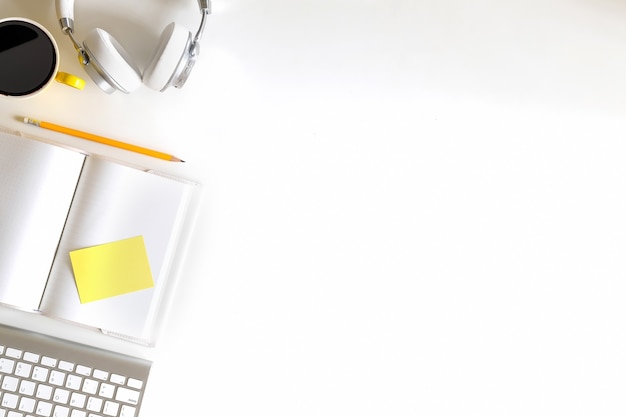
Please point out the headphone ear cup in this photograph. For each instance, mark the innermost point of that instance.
(110, 62)
(172, 50)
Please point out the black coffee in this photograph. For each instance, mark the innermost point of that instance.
(27, 58)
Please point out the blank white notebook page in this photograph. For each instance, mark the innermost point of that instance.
(115, 202)
(37, 182)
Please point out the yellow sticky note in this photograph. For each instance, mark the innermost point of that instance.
(111, 269)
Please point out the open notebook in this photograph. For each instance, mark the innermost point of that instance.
(56, 202)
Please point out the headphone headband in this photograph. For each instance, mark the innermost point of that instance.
(65, 10)
(65, 14)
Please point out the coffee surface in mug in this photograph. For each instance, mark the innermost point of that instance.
(27, 58)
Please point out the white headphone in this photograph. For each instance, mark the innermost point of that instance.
(110, 66)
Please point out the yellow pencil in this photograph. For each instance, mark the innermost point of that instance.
(101, 139)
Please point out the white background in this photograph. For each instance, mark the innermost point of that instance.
(410, 208)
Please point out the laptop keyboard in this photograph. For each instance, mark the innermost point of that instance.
(43, 376)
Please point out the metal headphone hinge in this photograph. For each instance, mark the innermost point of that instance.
(205, 9)
(67, 26)
(205, 5)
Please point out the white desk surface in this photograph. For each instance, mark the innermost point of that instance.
(410, 208)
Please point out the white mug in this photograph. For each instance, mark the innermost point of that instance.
(29, 59)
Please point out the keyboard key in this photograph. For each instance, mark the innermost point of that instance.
(78, 413)
(9, 383)
(90, 386)
(40, 374)
(23, 369)
(83, 370)
(118, 379)
(110, 408)
(106, 390)
(94, 404)
(60, 411)
(135, 383)
(27, 405)
(6, 365)
(44, 392)
(66, 366)
(13, 353)
(73, 382)
(57, 378)
(43, 409)
(31, 357)
(101, 375)
(9, 400)
(27, 388)
(78, 400)
(48, 361)
(126, 395)
(61, 396)
(127, 411)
